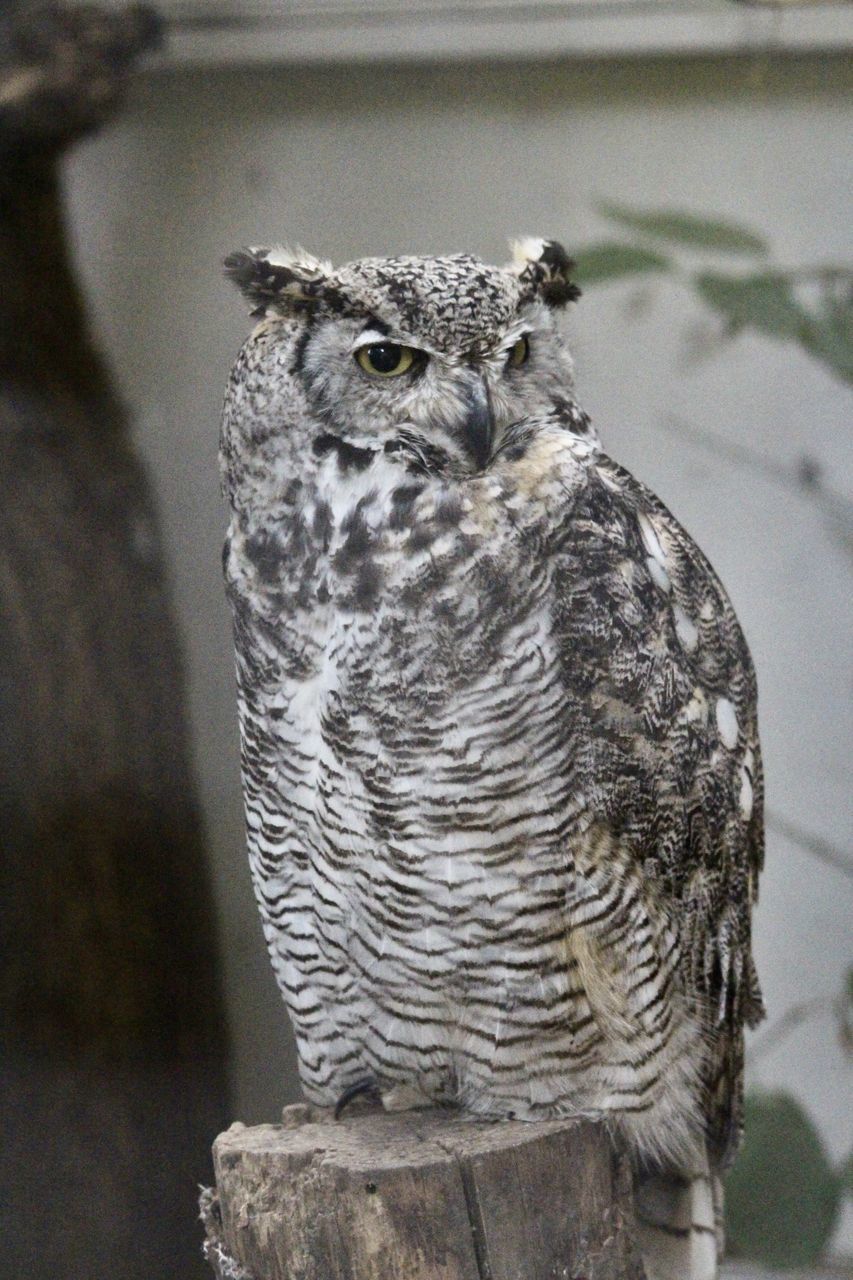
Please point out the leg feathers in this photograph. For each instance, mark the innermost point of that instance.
(679, 1222)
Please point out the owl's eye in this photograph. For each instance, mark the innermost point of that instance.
(385, 359)
(520, 353)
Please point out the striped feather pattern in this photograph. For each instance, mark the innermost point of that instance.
(501, 768)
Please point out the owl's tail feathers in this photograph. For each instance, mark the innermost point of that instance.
(680, 1224)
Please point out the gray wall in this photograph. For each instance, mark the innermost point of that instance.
(350, 162)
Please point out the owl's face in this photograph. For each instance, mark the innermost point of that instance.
(437, 356)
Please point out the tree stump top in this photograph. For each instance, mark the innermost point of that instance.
(425, 1195)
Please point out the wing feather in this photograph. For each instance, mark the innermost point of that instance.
(656, 663)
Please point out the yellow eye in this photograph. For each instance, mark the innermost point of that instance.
(385, 359)
(519, 353)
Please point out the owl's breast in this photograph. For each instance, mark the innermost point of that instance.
(402, 631)
(412, 731)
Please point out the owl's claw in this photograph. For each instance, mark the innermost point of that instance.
(356, 1090)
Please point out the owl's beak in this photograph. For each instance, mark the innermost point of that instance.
(478, 426)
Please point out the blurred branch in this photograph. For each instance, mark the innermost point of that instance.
(803, 477)
(766, 1041)
(810, 843)
(63, 71)
(840, 1006)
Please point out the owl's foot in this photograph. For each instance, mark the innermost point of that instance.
(406, 1097)
(362, 1088)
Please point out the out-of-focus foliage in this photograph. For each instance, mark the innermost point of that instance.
(812, 306)
(764, 301)
(845, 1014)
(687, 229)
(768, 302)
(782, 1196)
(609, 261)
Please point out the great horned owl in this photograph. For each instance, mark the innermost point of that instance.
(500, 756)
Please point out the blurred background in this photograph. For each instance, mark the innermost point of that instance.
(696, 159)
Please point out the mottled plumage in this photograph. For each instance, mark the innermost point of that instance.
(500, 755)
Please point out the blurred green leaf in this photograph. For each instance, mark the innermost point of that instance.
(847, 1175)
(765, 302)
(843, 1008)
(782, 1196)
(829, 337)
(687, 229)
(610, 261)
(769, 301)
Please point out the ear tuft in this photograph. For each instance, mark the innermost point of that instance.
(545, 267)
(277, 279)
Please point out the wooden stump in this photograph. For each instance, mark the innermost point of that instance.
(419, 1195)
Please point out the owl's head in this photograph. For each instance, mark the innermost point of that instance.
(432, 356)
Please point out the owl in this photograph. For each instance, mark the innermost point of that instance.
(500, 759)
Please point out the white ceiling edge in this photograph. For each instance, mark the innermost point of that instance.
(425, 34)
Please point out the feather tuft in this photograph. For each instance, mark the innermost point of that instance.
(546, 268)
(277, 279)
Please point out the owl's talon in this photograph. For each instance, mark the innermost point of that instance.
(367, 1087)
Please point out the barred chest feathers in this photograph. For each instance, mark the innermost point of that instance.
(430, 807)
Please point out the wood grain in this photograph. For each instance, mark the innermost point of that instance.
(427, 1195)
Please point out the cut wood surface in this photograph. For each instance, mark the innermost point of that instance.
(425, 1195)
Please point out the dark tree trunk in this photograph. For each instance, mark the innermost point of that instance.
(113, 1047)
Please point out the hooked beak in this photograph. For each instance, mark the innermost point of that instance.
(478, 426)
